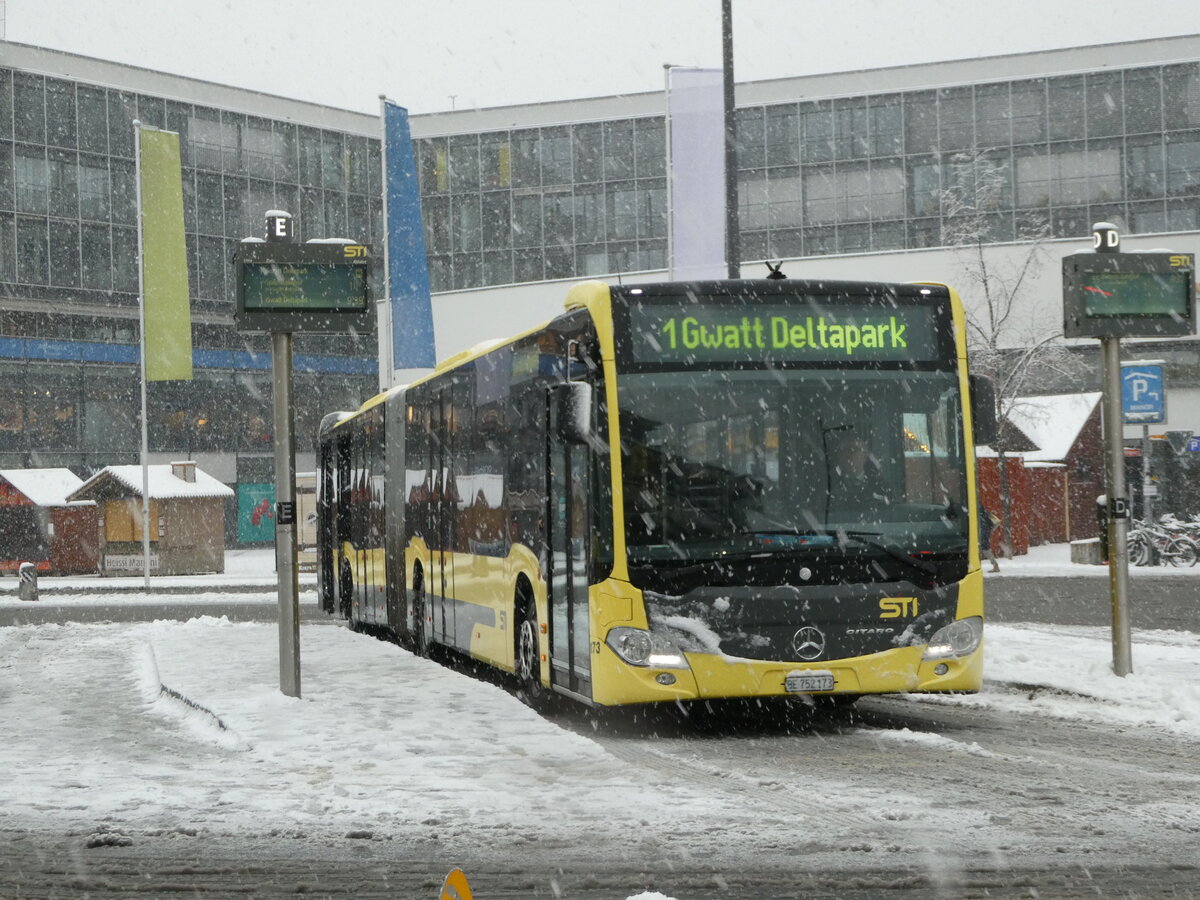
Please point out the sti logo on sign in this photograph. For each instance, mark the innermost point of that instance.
(1143, 395)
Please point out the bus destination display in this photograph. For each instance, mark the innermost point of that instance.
(802, 331)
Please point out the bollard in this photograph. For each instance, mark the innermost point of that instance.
(27, 588)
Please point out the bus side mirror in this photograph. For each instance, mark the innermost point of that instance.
(983, 410)
(574, 413)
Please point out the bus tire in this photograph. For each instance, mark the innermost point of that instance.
(345, 589)
(528, 650)
(420, 634)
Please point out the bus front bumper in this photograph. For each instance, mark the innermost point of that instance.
(710, 676)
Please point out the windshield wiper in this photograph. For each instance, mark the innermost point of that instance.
(864, 537)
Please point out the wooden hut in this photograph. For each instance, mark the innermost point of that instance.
(187, 519)
(38, 524)
(1055, 468)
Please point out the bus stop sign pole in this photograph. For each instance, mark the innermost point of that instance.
(1118, 506)
(279, 229)
(285, 515)
(1106, 240)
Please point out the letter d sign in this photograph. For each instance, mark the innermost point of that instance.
(1105, 238)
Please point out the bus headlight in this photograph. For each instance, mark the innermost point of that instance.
(959, 638)
(645, 648)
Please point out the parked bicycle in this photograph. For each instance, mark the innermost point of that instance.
(1169, 540)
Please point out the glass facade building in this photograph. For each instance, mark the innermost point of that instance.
(69, 382)
(840, 174)
(862, 162)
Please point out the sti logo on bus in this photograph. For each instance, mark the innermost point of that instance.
(354, 251)
(895, 607)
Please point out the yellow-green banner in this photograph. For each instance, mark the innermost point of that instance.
(167, 334)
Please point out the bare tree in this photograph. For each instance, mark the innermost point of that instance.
(1002, 339)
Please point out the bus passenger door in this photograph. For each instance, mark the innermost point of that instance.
(440, 579)
(326, 504)
(568, 477)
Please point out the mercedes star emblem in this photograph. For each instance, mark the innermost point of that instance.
(808, 643)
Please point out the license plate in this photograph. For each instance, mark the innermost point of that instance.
(808, 682)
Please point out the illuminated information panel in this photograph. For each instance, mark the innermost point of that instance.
(285, 287)
(1128, 295)
(802, 331)
(305, 286)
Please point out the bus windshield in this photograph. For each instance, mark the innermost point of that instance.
(725, 462)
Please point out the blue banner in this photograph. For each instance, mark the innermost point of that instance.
(408, 269)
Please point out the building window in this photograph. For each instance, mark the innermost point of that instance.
(753, 200)
(1105, 102)
(526, 166)
(96, 254)
(887, 126)
(64, 189)
(783, 135)
(1181, 96)
(33, 181)
(993, 116)
(618, 150)
(1143, 101)
(1144, 168)
(1028, 100)
(850, 129)
(816, 137)
(556, 155)
(29, 108)
(92, 111)
(495, 160)
(464, 164)
(33, 259)
(64, 253)
(204, 141)
(333, 165)
(125, 261)
(751, 138)
(1183, 165)
(122, 110)
(466, 224)
(527, 221)
(956, 118)
(94, 189)
(784, 206)
(262, 148)
(60, 113)
(1066, 108)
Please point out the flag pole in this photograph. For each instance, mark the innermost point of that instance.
(383, 306)
(137, 157)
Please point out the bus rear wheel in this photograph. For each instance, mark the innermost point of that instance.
(528, 662)
(420, 636)
(345, 589)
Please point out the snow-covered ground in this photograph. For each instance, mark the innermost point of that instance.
(1054, 561)
(173, 727)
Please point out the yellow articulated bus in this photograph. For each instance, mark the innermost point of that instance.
(676, 492)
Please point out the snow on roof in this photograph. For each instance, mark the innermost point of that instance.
(163, 482)
(1053, 423)
(43, 487)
